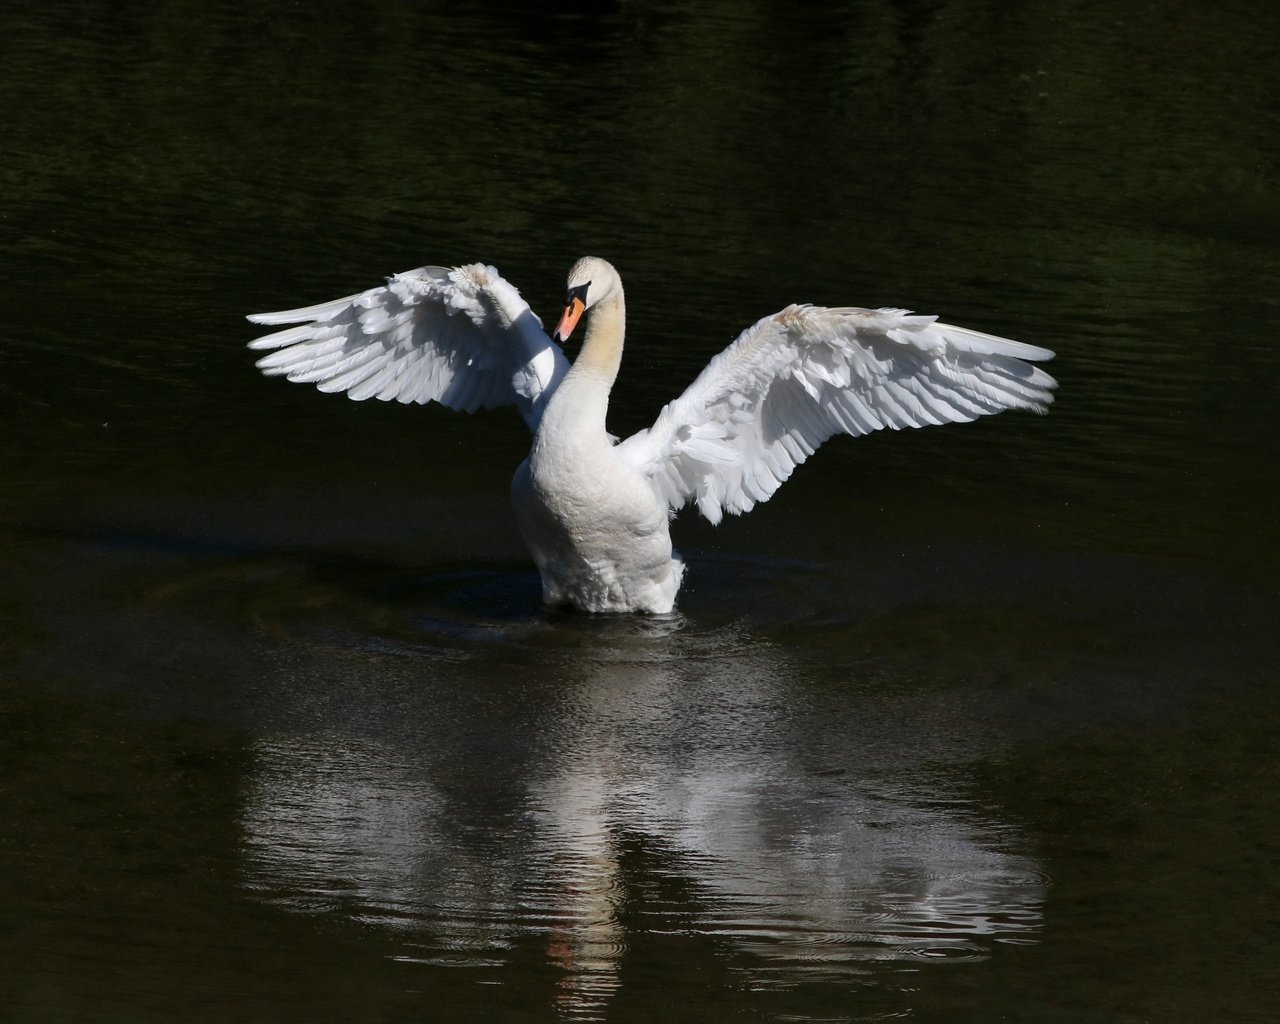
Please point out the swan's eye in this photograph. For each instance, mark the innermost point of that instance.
(578, 292)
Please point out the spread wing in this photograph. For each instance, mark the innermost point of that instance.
(462, 337)
(764, 404)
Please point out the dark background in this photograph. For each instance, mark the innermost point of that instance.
(966, 724)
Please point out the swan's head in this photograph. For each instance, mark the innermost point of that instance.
(591, 280)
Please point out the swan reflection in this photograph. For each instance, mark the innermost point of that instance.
(636, 802)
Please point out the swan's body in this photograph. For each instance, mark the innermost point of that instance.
(594, 524)
(593, 513)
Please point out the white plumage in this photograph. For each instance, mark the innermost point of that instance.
(593, 513)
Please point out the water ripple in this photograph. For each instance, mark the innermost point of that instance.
(456, 612)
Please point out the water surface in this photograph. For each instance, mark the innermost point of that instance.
(965, 724)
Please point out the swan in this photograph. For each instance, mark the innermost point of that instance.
(593, 512)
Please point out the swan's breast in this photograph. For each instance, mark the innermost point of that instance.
(597, 534)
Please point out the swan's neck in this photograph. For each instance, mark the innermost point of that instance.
(576, 412)
(601, 353)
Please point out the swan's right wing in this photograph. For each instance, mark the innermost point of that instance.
(462, 337)
(764, 404)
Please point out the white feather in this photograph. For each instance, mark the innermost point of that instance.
(799, 376)
(462, 337)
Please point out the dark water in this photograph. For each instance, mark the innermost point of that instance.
(967, 724)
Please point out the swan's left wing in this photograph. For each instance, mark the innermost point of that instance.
(462, 337)
(764, 404)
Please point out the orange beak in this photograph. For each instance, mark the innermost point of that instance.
(569, 320)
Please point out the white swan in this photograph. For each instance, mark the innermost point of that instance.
(593, 513)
